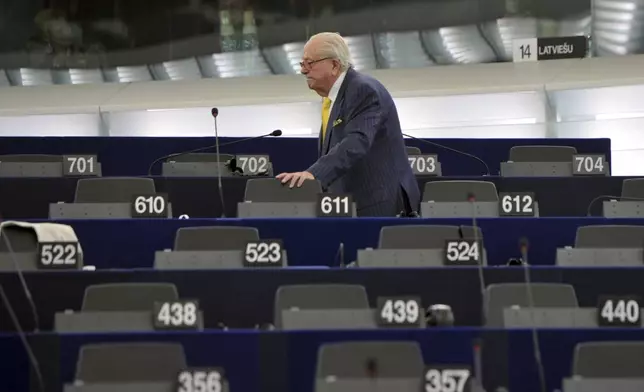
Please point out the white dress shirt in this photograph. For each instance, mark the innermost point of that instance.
(335, 89)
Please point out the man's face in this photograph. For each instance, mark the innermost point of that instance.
(320, 72)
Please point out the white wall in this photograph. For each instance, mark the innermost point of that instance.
(580, 99)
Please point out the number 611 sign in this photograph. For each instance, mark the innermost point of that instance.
(334, 205)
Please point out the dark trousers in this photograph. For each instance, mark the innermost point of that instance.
(389, 208)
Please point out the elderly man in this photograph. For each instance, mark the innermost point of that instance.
(361, 148)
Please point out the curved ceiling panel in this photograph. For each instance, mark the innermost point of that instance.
(618, 27)
(401, 50)
(285, 59)
(127, 74)
(30, 77)
(505, 30)
(458, 45)
(362, 52)
(186, 69)
(234, 64)
(77, 76)
(4, 81)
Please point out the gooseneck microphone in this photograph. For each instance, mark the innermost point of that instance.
(602, 197)
(23, 282)
(14, 318)
(487, 168)
(33, 361)
(340, 254)
(371, 369)
(471, 198)
(276, 132)
(523, 247)
(215, 113)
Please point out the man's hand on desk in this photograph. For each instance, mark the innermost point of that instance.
(295, 178)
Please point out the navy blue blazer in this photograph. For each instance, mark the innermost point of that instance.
(364, 153)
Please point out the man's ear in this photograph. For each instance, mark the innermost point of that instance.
(336, 65)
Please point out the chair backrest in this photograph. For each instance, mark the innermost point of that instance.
(272, 190)
(387, 359)
(319, 296)
(610, 236)
(609, 360)
(201, 157)
(21, 239)
(542, 153)
(459, 191)
(112, 190)
(214, 238)
(127, 296)
(417, 236)
(41, 158)
(130, 362)
(505, 295)
(413, 150)
(633, 187)
(467, 232)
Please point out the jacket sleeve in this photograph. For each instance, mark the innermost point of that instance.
(364, 122)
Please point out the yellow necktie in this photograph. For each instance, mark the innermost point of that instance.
(326, 112)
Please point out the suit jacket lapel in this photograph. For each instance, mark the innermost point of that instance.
(320, 142)
(335, 111)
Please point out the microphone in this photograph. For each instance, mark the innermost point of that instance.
(487, 168)
(23, 340)
(276, 132)
(215, 113)
(371, 368)
(471, 198)
(341, 252)
(523, 247)
(478, 367)
(14, 319)
(21, 277)
(478, 364)
(596, 199)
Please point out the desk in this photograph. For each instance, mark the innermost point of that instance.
(29, 198)
(131, 243)
(131, 156)
(244, 299)
(285, 361)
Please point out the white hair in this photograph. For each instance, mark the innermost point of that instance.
(333, 46)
